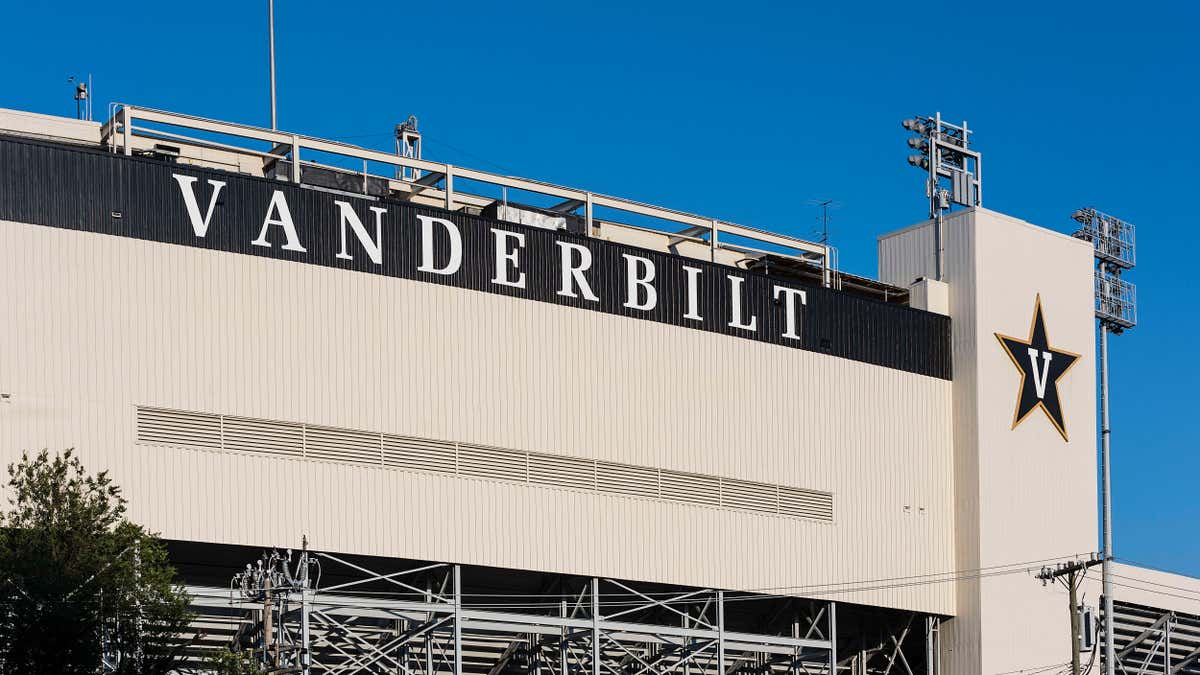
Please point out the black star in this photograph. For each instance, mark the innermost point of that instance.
(1041, 366)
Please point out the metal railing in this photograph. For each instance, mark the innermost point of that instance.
(437, 179)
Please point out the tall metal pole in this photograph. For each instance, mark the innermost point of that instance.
(1106, 499)
(935, 209)
(271, 30)
(305, 608)
(1073, 587)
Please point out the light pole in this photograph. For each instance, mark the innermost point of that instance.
(945, 154)
(1116, 310)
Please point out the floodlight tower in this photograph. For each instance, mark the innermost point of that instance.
(955, 171)
(1116, 310)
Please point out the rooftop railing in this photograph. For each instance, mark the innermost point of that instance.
(434, 180)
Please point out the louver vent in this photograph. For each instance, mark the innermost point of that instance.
(691, 488)
(419, 454)
(342, 445)
(748, 496)
(162, 427)
(178, 427)
(564, 472)
(624, 479)
(475, 461)
(244, 434)
(806, 504)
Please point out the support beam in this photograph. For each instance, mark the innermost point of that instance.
(721, 632)
(595, 626)
(568, 206)
(1186, 661)
(1145, 635)
(458, 620)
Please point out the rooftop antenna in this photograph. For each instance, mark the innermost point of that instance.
(946, 155)
(824, 219)
(271, 38)
(408, 144)
(83, 98)
(1116, 311)
(825, 204)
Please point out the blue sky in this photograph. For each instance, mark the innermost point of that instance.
(744, 111)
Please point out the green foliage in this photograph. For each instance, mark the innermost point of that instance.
(233, 663)
(78, 580)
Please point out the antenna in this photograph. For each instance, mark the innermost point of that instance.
(946, 155)
(83, 98)
(408, 144)
(825, 205)
(271, 40)
(825, 220)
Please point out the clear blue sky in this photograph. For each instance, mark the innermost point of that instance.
(732, 110)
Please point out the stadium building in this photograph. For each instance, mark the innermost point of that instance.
(462, 422)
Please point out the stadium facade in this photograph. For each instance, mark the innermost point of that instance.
(575, 435)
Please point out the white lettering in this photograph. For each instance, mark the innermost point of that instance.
(283, 218)
(789, 303)
(735, 301)
(373, 247)
(635, 281)
(507, 258)
(693, 293)
(572, 275)
(455, 261)
(187, 185)
(1039, 378)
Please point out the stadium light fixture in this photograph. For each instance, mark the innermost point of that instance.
(1116, 311)
(954, 174)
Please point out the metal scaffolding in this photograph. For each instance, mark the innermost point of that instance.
(1151, 641)
(418, 620)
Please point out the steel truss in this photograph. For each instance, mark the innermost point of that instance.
(419, 621)
(1150, 641)
(910, 646)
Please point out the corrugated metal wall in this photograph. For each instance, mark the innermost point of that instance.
(1022, 493)
(104, 324)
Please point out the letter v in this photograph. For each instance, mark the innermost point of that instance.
(1039, 378)
(187, 185)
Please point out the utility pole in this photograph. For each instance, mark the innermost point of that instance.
(268, 622)
(1070, 575)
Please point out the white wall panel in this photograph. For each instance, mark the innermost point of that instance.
(1023, 494)
(100, 325)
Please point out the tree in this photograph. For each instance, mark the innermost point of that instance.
(226, 662)
(79, 581)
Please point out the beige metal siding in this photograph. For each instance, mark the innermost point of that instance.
(106, 324)
(1022, 495)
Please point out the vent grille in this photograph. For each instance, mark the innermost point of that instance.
(244, 434)
(163, 427)
(800, 503)
(178, 427)
(572, 473)
(691, 488)
(748, 496)
(342, 445)
(628, 480)
(419, 454)
(476, 461)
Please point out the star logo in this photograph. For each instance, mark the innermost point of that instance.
(1041, 367)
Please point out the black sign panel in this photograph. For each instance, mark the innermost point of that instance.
(95, 191)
